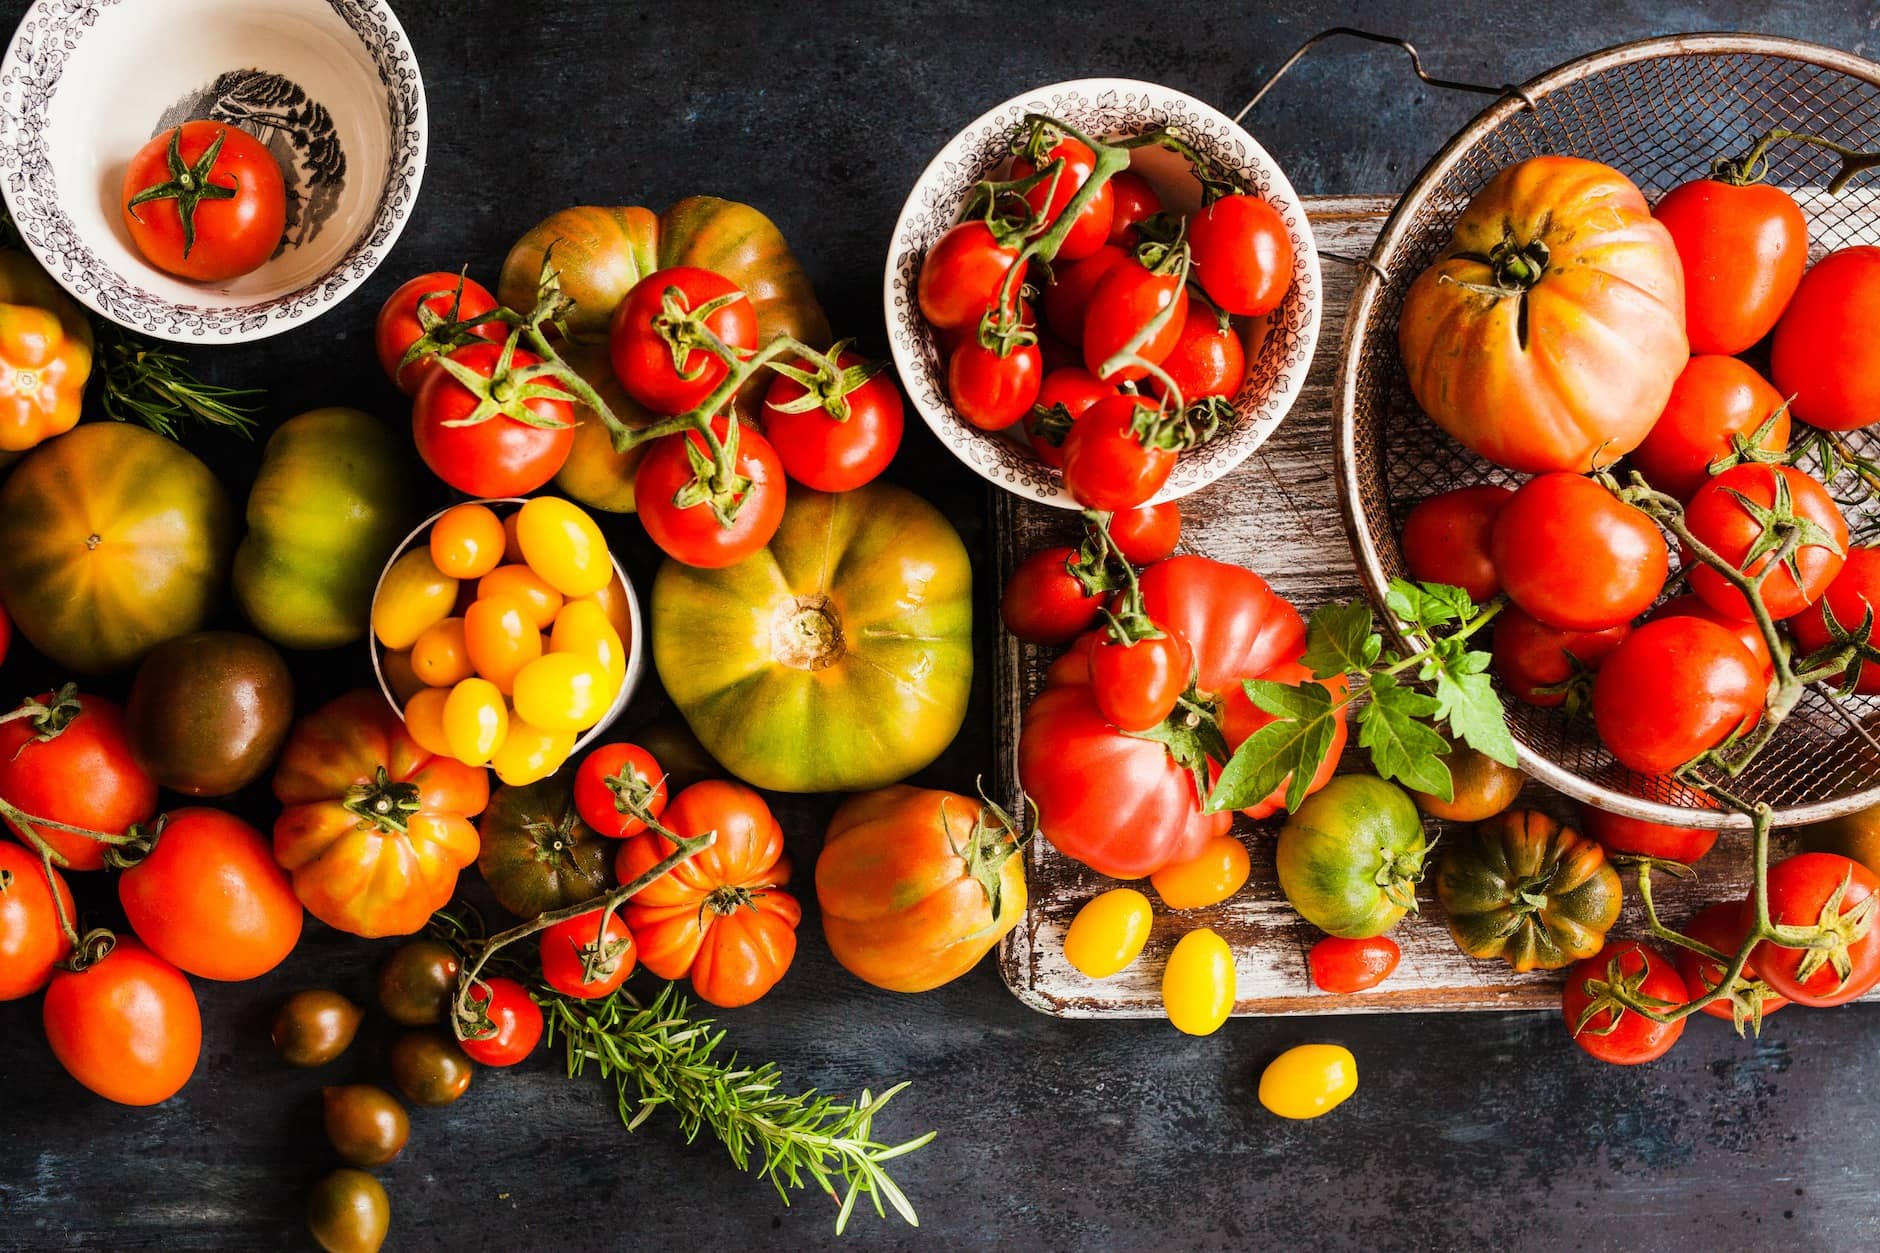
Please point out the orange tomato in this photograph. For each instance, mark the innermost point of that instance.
(467, 541)
(424, 719)
(1219, 871)
(441, 657)
(127, 1027)
(501, 637)
(210, 898)
(31, 939)
(542, 601)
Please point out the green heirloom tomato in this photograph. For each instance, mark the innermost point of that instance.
(1351, 857)
(1524, 888)
(112, 540)
(836, 660)
(327, 509)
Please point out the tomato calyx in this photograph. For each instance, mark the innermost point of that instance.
(633, 792)
(1833, 933)
(386, 804)
(685, 331)
(1050, 426)
(49, 717)
(188, 185)
(716, 483)
(1784, 533)
(993, 841)
(1192, 736)
(827, 384)
(508, 388)
(441, 334)
(1620, 991)
(1753, 166)
(1750, 449)
(1845, 647)
(1399, 871)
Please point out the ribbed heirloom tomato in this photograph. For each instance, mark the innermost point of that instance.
(127, 1026)
(69, 760)
(210, 899)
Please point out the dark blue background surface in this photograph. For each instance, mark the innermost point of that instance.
(1467, 1130)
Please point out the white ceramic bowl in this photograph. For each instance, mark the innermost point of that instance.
(1279, 346)
(331, 86)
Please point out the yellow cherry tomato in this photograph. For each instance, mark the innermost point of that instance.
(413, 595)
(543, 601)
(582, 628)
(399, 676)
(1108, 932)
(441, 657)
(500, 637)
(512, 545)
(613, 598)
(1198, 983)
(467, 541)
(529, 753)
(1218, 873)
(562, 692)
(476, 719)
(563, 545)
(1308, 1080)
(424, 718)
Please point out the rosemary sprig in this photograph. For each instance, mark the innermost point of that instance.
(660, 1054)
(151, 385)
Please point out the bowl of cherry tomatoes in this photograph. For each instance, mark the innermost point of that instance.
(1177, 300)
(213, 170)
(507, 635)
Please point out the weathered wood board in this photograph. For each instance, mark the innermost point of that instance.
(1277, 514)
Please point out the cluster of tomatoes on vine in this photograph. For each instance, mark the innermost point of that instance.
(1130, 368)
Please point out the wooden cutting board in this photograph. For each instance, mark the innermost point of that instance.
(1278, 515)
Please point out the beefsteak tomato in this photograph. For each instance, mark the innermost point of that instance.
(1524, 888)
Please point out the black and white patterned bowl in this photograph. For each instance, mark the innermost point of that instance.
(1279, 346)
(331, 86)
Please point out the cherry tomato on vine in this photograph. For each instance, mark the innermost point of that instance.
(1308, 1080)
(1067, 299)
(1532, 657)
(71, 762)
(1609, 1031)
(1745, 629)
(1673, 689)
(1138, 684)
(1825, 354)
(659, 343)
(1342, 966)
(1243, 257)
(1713, 400)
(1853, 595)
(1743, 248)
(498, 455)
(992, 391)
(1045, 603)
(576, 947)
(692, 533)
(1721, 926)
(1135, 200)
(31, 939)
(1198, 983)
(1147, 533)
(1124, 304)
(210, 899)
(467, 541)
(452, 297)
(1834, 892)
(515, 1025)
(1106, 464)
(1740, 513)
(610, 776)
(205, 201)
(1445, 539)
(1062, 398)
(1208, 359)
(829, 453)
(1218, 871)
(1617, 833)
(961, 276)
(127, 1026)
(1052, 196)
(1575, 556)
(1108, 933)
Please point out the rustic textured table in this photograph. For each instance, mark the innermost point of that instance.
(1478, 1130)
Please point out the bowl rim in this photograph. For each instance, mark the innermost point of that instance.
(36, 55)
(1288, 386)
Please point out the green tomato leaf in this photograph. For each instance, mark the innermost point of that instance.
(1404, 599)
(1341, 639)
(1394, 726)
(1467, 701)
(1293, 745)
(1444, 603)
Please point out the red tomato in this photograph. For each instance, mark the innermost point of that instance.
(1721, 926)
(31, 939)
(692, 534)
(1208, 359)
(1045, 602)
(1135, 201)
(1619, 834)
(1833, 891)
(1445, 539)
(1062, 399)
(1675, 688)
(1106, 464)
(514, 1027)
(452, 297)
(1126, 301)
(1137, 684)
(655, 323)
(1615, 1034)
(127, 1027)
(841, 450)
(1826, 355)
(960, 279)
(577, 948)
(1051, 196)
(210, 899)
(1243, 257)
(1731, 513)
(1575, 556)
(608, 778)
(1147, 533)
(1743, 249)
(1714, 399)
(1745, 629)
(1340, 965)
(499, 455)
(992, 391)
(1531, 656)
(205, 201)
(1067, 298)
(1854, 594)
(82, 773)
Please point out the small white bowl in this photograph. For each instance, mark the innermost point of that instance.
(1279, 346)
(332, 88)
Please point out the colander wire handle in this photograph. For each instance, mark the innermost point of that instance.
(1416, 67)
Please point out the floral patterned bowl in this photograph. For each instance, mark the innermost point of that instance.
(1279, 346)
(331, 86)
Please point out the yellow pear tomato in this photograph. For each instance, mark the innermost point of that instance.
(1108, 932)
(1198, 984)
(561, 543)
(476, 718)
(582, 628)
(1308, 1080)
(1215, 874)
(563, 692)
(413, 595)
(528, 753)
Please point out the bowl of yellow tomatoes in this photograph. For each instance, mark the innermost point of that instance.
(507, 635)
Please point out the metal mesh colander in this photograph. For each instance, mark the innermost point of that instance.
(1657, 110)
